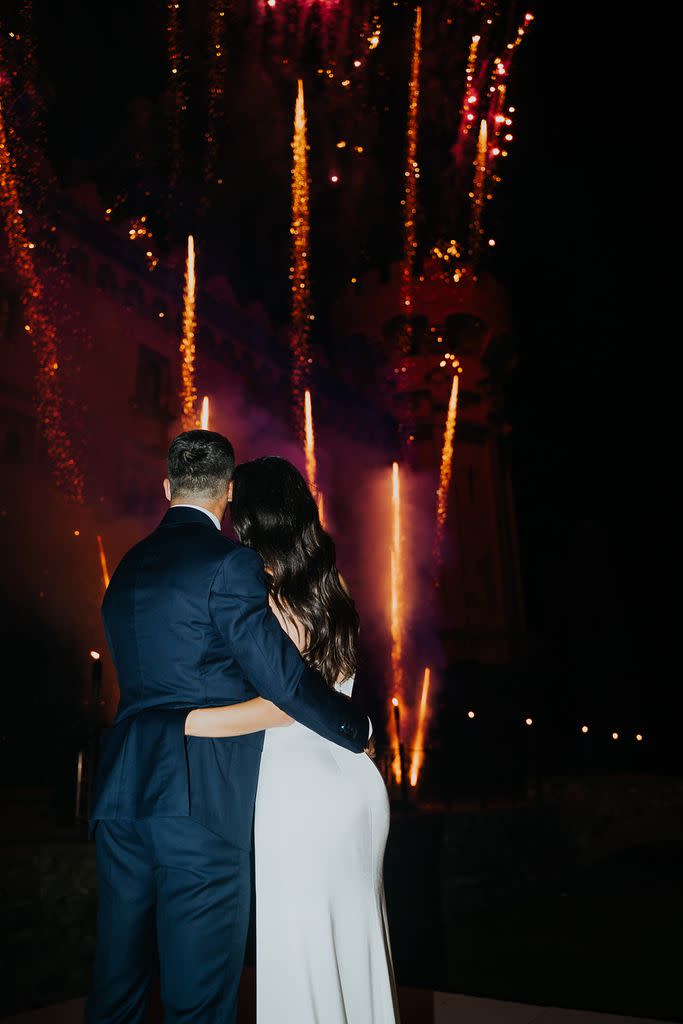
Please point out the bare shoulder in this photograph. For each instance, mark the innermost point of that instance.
(290, 624)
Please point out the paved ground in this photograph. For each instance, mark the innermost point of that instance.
(417, 1007)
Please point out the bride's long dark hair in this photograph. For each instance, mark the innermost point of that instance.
(274, 513)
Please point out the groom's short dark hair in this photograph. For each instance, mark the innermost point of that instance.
(200, 462)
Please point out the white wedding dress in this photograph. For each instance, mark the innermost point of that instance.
(322, 942)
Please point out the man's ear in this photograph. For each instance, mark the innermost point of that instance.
(167, 489)
(230, 492)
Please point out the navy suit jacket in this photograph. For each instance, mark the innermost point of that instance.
(188, 625)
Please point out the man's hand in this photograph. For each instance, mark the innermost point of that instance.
(371, 750)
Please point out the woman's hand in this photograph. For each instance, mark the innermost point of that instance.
(235, 719)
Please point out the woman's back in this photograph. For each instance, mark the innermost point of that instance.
(322, 820)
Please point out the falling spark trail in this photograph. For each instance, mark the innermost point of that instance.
(205, 413)
(178, 92)
(187, 344)
(309, 437)
(39, 323)
(216, 91)
(418, 750)
(471, 97)
(445, 475)
(299, 270)
(412, 174)
(103, 562)
(478, 189)
(396, 607)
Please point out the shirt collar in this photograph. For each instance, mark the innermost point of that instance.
(214, 519)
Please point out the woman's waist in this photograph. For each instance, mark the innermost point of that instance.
(294, 737)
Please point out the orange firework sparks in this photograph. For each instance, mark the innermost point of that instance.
(309, 440)
(103, 562)
(396, 576)
(471, 99)
(478, 191)
(299, 272)
(418, 750)
(204, 422)
(412, 173)
(40, 326)
(445, 475)
(321, 508)
(187, 345)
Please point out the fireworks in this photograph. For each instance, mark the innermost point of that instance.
(293, 24)
(204, 421)
(309, 436)
(187, 345)
(412, 174)
(103, 562)
(216, 79)
(500, 120)
(449, 256)
(311, 461)
(418, 749)
(471, 98)
(396, 581)
(299, 272)
(478, 192)
(178, 92)
(41, 328)
(445, 475)
(140, 230)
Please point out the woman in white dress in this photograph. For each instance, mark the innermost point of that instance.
(322, 812)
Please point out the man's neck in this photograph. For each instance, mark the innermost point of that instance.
(211, 511)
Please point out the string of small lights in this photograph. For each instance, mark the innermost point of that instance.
(216, 95)
(412, 175)
(299, 269)
(40, 326)
(419, 749)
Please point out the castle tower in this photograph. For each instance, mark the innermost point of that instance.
(461, 328)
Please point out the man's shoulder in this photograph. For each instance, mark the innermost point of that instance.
(196, 544)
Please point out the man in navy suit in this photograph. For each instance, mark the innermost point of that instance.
(188, 625)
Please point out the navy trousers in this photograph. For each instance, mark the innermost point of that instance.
(169, 888)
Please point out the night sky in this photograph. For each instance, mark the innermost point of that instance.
(573, 224)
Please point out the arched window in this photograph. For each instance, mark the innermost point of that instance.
(206, 342)
(106, 280)
(12, 446)
(10, 315)
(78, 264)
(410, 334)
(152, 380)
(133, 297)
(464, 334)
